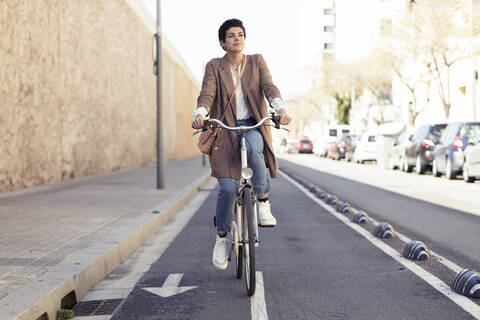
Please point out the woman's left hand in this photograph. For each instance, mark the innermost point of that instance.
(284, 117)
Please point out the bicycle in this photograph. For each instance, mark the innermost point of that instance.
(244, 226)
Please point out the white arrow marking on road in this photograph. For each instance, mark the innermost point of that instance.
(170, 286)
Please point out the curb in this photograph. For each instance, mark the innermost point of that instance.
(71, 279)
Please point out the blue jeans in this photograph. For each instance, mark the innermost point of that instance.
(228, 186)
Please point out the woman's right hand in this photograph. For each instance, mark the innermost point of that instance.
(198, 122)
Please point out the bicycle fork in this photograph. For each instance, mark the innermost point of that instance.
(246, 174)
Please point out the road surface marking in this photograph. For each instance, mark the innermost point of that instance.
(119, 286)
(170, 286)
(257, 301)
(465, 303)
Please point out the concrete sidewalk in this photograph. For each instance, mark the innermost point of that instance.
(58, 240)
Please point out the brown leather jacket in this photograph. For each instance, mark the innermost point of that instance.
(217, 87)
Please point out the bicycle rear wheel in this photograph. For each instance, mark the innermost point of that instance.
(249, 241)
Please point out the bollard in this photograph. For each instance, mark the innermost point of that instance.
(316, 191)
(342, 206)
(322, 195)
(360, 217)
(416, 250)
(384, 230)
(347, 209)
(332, 200)
(467, 283)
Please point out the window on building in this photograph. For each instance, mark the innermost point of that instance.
(327, 12)
(328, 46)
(328, 28)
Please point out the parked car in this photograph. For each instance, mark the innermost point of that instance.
(397, 152)
(305, 146)
(350, 149)
(332, 133)
(449, 155)
(338, 148)
(366, 149)
(419, 153)
(291, 146)
(471, 165)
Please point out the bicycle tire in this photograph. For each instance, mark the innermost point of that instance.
(237, 249)
(249, 242)
(240, 262)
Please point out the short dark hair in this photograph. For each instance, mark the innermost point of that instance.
(222, 32)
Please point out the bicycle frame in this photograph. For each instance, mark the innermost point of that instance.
(245, 183)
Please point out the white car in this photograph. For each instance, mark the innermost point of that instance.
(331, 134)
(471, 165)
(366, 149)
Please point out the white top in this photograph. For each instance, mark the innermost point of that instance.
(242, 109)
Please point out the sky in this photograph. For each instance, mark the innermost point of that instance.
(275, 28)
(271, 29)
(356, 23)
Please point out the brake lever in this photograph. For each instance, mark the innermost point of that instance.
(276, 120)
(206, 124)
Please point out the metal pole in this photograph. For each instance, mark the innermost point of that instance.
(160, 173)
(474, 74)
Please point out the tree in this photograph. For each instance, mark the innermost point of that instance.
(438, 38)
(344, 104)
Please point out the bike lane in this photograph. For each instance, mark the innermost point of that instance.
(313, 267)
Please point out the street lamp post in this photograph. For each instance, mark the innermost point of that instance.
(158, 36)
(474, 75)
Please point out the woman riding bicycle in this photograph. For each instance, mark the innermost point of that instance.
(247, 108)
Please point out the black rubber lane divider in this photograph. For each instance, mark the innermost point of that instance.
(332, 200)
(348, 209)
(341, 206)
(467, 283)
(384, 230)
(416, 250)
(360, 217)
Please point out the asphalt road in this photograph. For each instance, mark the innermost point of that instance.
(455, 234)
(313, 265)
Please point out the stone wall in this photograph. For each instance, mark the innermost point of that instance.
(77, 91)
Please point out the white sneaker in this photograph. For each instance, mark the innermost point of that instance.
(266, 217)
(220, 254)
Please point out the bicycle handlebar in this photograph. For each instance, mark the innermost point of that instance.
(275, 118)
(223, 125)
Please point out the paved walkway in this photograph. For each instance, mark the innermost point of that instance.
(40, 226)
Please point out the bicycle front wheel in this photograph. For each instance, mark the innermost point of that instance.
(237, 249)
(249, 241)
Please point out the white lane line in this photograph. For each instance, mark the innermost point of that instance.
(462, 301)
(257, 301)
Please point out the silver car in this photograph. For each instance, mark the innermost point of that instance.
(471, 165)
(396, 156)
